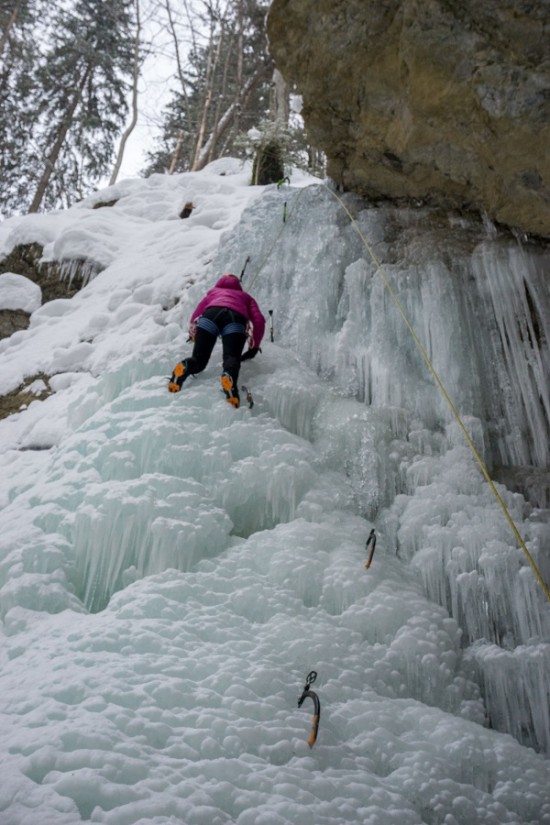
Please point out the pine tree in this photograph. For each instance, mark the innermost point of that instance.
(79, 98)
(20, 23)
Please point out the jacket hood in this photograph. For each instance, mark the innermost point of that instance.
(229, 281)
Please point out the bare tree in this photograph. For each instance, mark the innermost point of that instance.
(135, 81)
(227, 119)
(215, 44)
(223, 80)
(190, 29)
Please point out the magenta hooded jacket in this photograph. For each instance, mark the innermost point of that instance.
(228, 292)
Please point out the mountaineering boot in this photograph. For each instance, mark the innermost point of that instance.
(178, 376)
(230, 389)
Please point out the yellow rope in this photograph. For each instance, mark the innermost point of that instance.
(481, 463)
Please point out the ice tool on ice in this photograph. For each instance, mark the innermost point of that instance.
(311, 677)
(249, 396)
(371, 542)
(244, 268)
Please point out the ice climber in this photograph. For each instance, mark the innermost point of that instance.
(227, 311)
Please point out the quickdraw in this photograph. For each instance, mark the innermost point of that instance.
(271, 338)
(311, 677)
(371, 542)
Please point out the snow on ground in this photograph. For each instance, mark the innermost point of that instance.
(171, 570)
(17, 292)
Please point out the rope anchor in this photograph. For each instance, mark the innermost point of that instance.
(371, 542)
(311, 677)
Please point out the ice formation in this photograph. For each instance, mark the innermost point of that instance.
(481, 308)
(171, 569)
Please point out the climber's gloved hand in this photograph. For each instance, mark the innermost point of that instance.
(250, 353)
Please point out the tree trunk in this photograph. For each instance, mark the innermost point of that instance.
(279, 108)
(218, 113)
(173, 32)
(227, 120)
(177, 152)
(240, 55)
(213, 59)
(53, 155)
(9, 26)
(135, 78)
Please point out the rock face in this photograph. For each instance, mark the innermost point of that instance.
(56, 279)
(441, 101)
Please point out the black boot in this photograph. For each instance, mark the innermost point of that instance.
(180, 374)
(231, 390)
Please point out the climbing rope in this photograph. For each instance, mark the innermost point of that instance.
(454, 411)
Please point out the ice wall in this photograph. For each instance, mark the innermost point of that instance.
(477, 300)
(479, 303)
(171, 568)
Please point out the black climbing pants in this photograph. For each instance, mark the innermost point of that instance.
(222, 320)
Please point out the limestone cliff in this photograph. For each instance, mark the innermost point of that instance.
(441, 101)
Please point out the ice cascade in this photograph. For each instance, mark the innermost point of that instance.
(172, 568)
(479, 303)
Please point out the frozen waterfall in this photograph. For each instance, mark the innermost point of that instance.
(171, 568)
(480, 305)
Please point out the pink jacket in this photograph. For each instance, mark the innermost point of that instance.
(228, 292)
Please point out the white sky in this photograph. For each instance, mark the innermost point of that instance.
(156, 83)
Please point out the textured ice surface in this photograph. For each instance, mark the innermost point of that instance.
(171, 569)
(481, 309)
